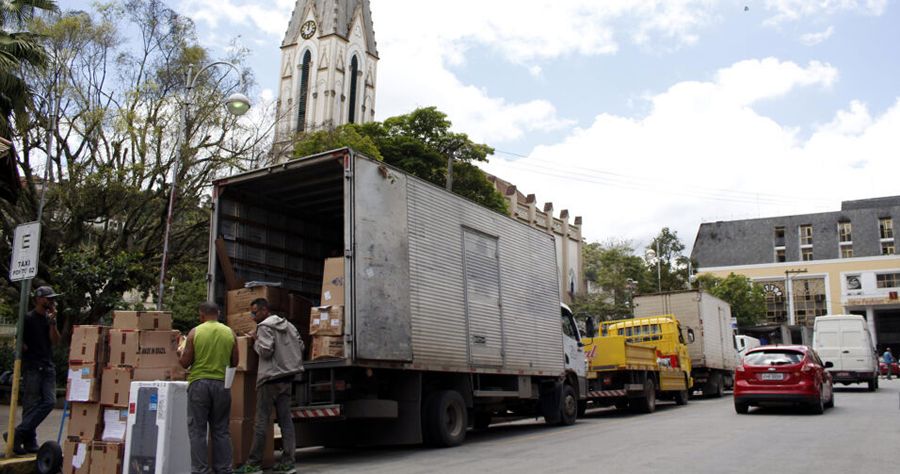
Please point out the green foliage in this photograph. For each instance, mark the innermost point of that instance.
(614, 273)
(747, 299)
(419, 143)
(673, 266)
(188, 290)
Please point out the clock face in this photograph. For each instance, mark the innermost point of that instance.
(773, 290)
(308, 29)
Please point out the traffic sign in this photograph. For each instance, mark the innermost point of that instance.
(26, 243)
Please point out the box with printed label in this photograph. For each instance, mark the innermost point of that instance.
(248, 361)
(147, 320)
(115, 421)
(106, 458)
(117, 382)
(144, 349)
(238, 301)
(326, 321)
(333, 281)
(83, 383)
(85, 421)
(242, 323)
(88, 345)
(327, 347)
(76, 456)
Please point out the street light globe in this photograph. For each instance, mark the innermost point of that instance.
(237, 104)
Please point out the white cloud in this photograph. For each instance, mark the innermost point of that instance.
(793, 10)
(812, 39)
(703, 153)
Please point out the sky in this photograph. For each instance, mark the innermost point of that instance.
(637, 114)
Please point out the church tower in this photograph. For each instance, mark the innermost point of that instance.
(328, 70)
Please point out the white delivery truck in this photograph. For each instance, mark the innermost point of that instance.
(706, 323)
(451, 311)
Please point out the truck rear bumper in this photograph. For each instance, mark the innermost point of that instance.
(849, 376)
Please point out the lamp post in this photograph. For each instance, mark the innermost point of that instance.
(237, 104)
(630, 286)
(652, 255)
(788, 286)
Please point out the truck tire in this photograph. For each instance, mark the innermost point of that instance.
(647, 402)
(714, 387)
(568, 407)
(681, 397)
(444, 421)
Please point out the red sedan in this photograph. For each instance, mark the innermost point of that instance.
(776, 375)
(883, 369)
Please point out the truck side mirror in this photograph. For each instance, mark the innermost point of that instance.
(590, 328)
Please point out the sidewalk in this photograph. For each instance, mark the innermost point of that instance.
(47, 431)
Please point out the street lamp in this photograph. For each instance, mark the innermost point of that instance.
(652, 255)
(236, 104)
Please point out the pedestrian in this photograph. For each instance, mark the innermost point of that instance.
(888, 359)
(208, 350)
(38, 371)
(280, 351)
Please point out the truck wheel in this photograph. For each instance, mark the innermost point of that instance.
(647, 403)
(444, 419)
(482, 420)
(681, 397)
(714, 386)
(568, 407)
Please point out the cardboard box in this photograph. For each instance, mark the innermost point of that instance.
(88, 345)
(145, 320)
(85, 421)
(117, 382)
(333, 281)
(106, 458)
(144, 349)
(242, 440)
(115, 421)
(76, 456)
(243, 396)
(242, 323)
(326, 321)
(83, 383)
(238, 301)
(248, 360)
(324, 347)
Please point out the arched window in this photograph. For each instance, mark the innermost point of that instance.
(354, 71)
(302, 99)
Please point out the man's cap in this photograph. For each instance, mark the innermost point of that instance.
(45, 292)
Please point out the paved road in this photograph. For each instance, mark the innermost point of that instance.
(861, 434)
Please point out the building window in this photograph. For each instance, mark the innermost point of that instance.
(886, 227)
(779, 255)
(806, 254)
(303, 97)
(806, 235)
(354, 71)
(846, 251)
(809, 300)
(887, 280)
(779, 236)
(887, 248)
(845, 232)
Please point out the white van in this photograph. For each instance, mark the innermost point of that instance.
(744, 344)
(844, 340)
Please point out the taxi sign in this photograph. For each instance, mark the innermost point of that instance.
(26, 243)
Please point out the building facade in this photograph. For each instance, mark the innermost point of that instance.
(841, 262)
(329, 66)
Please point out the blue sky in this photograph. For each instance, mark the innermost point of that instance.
(637, 114)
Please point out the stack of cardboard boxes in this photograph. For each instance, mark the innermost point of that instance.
(243, 407)
(326, 322)
(102, 363)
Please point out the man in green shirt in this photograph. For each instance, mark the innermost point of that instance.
(209, 349)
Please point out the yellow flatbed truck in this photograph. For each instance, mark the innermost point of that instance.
(633, 362)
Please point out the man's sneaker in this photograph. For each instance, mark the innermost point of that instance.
(18, 448)
(284, 468)
(248, 469)
(31, 447)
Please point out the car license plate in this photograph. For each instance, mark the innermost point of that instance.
(843, 374)
(768, 376)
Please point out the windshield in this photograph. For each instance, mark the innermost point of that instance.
(773, 357)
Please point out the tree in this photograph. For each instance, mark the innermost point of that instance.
(613, 273)
(113, 108)
(419, 143)
(674, 268)
(747, 299)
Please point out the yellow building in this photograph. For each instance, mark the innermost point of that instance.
(816, 264)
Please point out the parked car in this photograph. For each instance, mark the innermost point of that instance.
(883, 368)
(778, 375)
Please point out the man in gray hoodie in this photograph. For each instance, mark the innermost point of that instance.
(280, 352)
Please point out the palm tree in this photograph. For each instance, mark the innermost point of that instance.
(18, 48)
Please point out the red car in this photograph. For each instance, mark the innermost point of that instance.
(895, 368)
(783, 375)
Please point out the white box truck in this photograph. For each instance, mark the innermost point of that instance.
(706, 323)
(451, 311)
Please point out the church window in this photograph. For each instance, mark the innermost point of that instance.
(354, 72)
(302, 100)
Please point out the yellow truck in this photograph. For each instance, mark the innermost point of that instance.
(633, 362)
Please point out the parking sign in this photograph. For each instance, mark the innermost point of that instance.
(26, 243)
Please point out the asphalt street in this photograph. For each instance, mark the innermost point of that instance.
(861, 434)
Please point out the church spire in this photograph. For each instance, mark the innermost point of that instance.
(328, 69)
